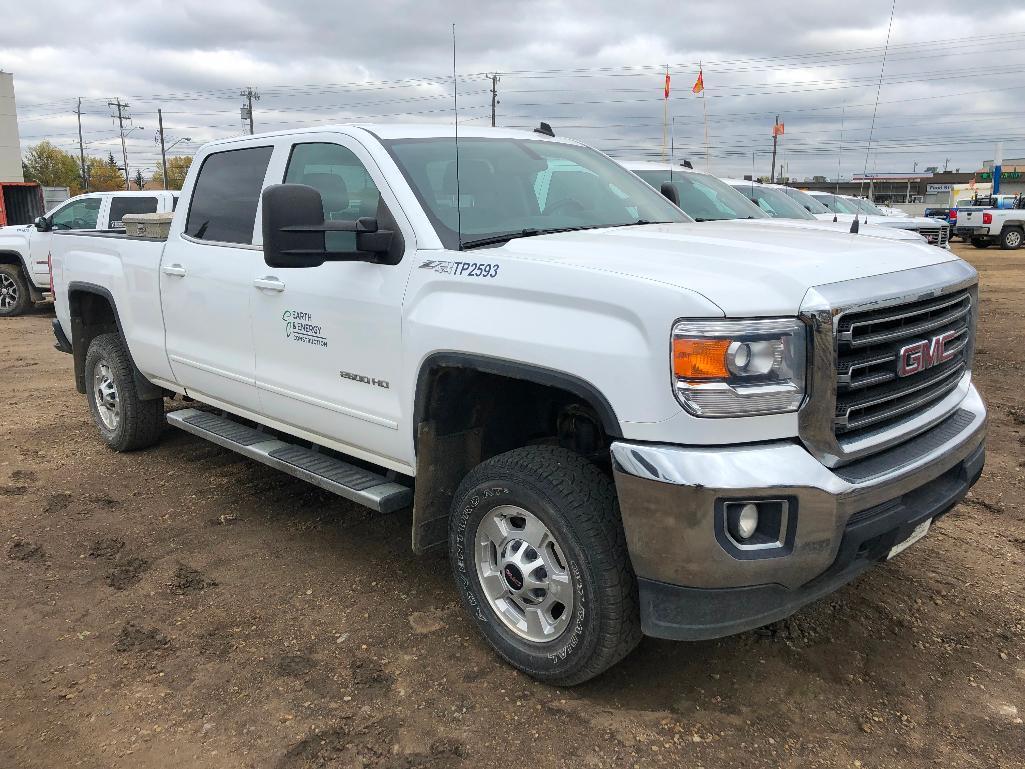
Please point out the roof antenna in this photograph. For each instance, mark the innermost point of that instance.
(854, 225)
(455, 110)
(839, 157)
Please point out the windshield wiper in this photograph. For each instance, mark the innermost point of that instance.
(492, 240)
(495, 239)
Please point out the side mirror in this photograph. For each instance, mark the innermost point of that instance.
(294, 230)
(42, 224)
(668, 189)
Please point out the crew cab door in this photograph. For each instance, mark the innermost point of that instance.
(329, 340)
(82, 213)
(206, 288)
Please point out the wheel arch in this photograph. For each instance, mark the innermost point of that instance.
(469, 407)
(93, 312)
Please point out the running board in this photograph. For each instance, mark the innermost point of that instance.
(354, 483)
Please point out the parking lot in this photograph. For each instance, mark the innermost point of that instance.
(185, 606)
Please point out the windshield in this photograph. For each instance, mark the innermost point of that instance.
(806, 201)
(775, 203)
(867, 206)
(837, 205)
(518, 187)
(704, 197)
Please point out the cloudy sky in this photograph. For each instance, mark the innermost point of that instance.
(954, 79)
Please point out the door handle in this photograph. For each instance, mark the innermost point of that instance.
(269, 283)
(174, 269)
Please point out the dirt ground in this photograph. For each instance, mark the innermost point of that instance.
(184, 607)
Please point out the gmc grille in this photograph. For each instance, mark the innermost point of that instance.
(869, 393)
(937, 236)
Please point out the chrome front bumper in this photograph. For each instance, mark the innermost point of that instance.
(671, 499)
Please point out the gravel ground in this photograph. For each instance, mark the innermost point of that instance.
(185, 607)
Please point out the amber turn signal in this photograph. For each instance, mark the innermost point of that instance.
(700, 358)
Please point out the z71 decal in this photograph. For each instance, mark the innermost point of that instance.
(469, 269)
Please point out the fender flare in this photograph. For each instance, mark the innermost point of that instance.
(514, 369)
(145, 389)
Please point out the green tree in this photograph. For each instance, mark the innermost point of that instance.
(52, 167)
(177, 168)
(139, 180)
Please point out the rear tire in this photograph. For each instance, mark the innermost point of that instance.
(567, 610)
(981, 242)
(14, 294)
(125, 422)
(1011, 238)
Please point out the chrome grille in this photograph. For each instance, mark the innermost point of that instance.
(869, 393)
(937, 236)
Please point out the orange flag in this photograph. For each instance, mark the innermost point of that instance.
(699, 84)
(667, 85)
(777, 129)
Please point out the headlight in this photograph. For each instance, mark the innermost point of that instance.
(739, 368)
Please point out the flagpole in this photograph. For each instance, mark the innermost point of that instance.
(704, 108)
(665, 114)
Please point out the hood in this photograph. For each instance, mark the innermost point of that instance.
(872, 230)
(901, 222)
(745, 270)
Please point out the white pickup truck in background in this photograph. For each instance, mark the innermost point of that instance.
(1002, 224)
(704, 197)
(616, 420)
(25, 249)
(844, 208)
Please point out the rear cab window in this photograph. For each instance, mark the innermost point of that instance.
(226, 196)
(121, 205)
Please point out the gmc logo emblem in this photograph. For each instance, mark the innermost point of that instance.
(919, 356)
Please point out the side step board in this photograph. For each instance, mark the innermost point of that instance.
(354, 483)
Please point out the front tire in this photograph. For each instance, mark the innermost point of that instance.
(14, 293)
(125, 422)
(541, 565)
(1011, 239)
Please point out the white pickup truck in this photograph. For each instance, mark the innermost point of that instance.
(617, 421)
(984, 226)
(844, 208)
(25, 249)
(707, 198)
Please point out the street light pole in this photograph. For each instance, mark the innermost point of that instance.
(163, 152)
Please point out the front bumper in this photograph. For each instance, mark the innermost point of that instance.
(695, 585)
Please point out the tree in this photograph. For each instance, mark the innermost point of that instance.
(139, 180)
(51, 166)
(177, 168)
(104, 176)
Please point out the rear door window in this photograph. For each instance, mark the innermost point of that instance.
(119, 206)
(227, 194)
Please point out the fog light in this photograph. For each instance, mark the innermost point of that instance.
(744, 522)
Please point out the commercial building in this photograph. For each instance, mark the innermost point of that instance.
(893, 188)
(10, 144)
(1012, 175)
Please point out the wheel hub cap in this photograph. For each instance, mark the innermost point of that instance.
(108, 404)
(524, 574)
(8, 291)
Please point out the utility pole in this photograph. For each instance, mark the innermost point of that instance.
(122, 116)
(494, 96)
(945, 164)
(163, 152)
(81, 147)
(775, 138)
(247, 110)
